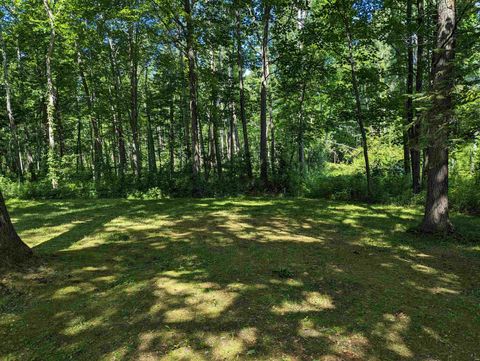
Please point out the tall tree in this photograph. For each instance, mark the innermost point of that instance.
(436, 218)
(122, 157)
(8, 101)
(241, 86)
(97, 139)
(192, 78)
(264, 94)
(409, 101)
(51, 100)
(358, 103)
(133, 58)
(416, 126)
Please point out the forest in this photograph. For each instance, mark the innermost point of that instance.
(239, 179)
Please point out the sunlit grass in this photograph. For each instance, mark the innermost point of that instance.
(229, 279)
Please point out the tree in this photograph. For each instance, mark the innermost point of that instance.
(407, 133)
(264, 95)
(8, 101)
(241, 86)
(415, 127)
(436, 218)
(52, 100)
(192, 79)
(358, 103)
(12, 248)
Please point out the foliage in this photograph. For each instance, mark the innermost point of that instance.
(125, 73)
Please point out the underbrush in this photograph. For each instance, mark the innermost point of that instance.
(342, 182)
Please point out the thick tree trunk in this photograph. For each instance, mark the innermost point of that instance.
(264, 98)
(52, 156)
(12, 249)
(243, 114)
(436, 218)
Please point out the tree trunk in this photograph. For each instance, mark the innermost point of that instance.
(122, 157)
(152, 162)
(301, 133)
(271, 127)
(52, 156)
(416, 127)
(133, 55)
(97, 139)
(436, 218)
(11, 118)
(358, 107)
(79, 148)
(171, 140)
(407, 132)
(192, 78)
(243, 114)
(12, 249)
(264, 98)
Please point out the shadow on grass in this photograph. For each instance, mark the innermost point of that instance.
(249, 279)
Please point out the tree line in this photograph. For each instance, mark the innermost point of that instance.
(192, 95)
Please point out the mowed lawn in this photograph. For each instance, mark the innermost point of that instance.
(239, 279)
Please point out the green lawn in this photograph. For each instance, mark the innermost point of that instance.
(239, 279)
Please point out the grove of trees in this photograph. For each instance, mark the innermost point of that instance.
(204, 98)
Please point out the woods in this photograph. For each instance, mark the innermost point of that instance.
(239, 180)
(353, 100)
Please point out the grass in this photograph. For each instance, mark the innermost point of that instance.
(238, 279)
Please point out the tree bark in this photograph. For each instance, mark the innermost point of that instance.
(12, 249)
(436, 218)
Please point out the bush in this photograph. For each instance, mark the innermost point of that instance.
(465, 195)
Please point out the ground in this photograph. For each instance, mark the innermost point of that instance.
(238, 279)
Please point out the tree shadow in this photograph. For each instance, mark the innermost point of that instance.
(200, 280)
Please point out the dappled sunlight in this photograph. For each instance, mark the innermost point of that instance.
(312, 301)
(392, 329)
(196, 300)
(237, 279)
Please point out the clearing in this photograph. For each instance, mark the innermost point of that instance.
(259, 279)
